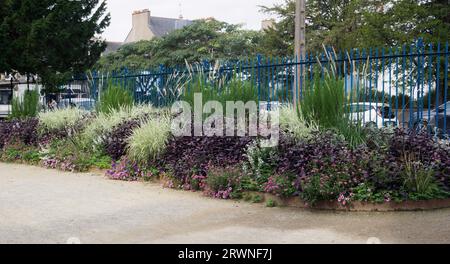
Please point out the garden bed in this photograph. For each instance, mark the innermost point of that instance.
(321, 155)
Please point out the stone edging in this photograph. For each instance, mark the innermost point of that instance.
(295, 202)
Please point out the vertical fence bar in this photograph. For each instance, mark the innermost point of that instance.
(358, 85)
(370, 83)
(268, 69)
(358, 80)
(345, 77)
(286, 72)
(403, 84)
(430, 77)
(302, 75)
(438, 82)
(295, 97)
(411, 92)
(273, 74)
(396, 84)
(383, 54)
(363, 77)
(390, 84)
(311, 71)
(351, 76)
(419, 69)
(258, 79)
(376, 84)
(446, 88)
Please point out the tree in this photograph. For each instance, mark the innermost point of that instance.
(331, 23)
(279, 39)
(347, 24)
(400, 22)
(203, 40)
(52, 38)
(3, 47)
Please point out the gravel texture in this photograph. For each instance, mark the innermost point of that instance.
(48, 206)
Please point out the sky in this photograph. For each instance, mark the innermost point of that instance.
(232, 11)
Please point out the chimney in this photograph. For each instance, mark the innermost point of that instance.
(141, 27)
(141, 18)
(267, 23)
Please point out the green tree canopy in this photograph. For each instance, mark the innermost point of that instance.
(402, 21)
(347, 24)
(203, 40)
(51, 38)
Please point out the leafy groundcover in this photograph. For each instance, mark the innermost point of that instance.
(389, 166)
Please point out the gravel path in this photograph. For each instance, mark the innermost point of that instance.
(48, 206)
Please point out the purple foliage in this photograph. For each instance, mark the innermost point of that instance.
(116, 141)
(19, 131)
(337, 169)
(47, 137)
(186, 155)
(425, 149)
(322, 155)
(125, 170)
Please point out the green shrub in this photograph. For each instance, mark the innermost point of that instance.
(419, 180)
(62, 119)
(69, 155)
(27, 106)
(259, 165)
(222, 91)
(271, 203)
(149, 141)
(224, 183)
(292, 123)
(324, 103)
(31, 156)
(115, 98)
(94, 135)
(20, 152)
(100, 161)
(219, 180)
(257, 199)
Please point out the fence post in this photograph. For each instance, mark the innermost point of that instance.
(96, 91)
(446, 88)
(161, 83)
(258, 79)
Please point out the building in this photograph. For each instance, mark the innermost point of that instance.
(147, 27)
(267, 24)
(112, 46)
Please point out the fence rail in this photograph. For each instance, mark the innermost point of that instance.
(405, 86)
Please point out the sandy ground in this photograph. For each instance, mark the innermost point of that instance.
(48, 206)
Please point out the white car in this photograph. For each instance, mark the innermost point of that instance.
(81, 103)
(372, 114)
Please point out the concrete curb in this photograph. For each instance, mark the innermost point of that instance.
(296, 202)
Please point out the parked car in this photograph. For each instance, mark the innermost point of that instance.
(82, 103)
(271, 106)
(372, 114)
(438, 121)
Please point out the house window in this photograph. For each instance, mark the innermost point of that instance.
(5, 97)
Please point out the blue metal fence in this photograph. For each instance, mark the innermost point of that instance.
(404, 86)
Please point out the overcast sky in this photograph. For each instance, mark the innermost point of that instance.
(231, 11)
